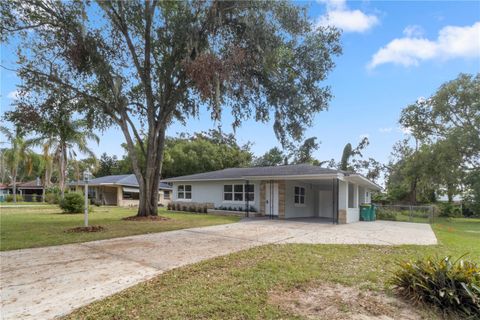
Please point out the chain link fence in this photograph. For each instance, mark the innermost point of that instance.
(407, 213)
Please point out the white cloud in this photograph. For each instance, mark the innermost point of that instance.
(413, 31)
(13, 95)
(405, 130)
(385, 130)
(340, 16)
(452, 42)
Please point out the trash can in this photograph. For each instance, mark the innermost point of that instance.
(373, 212)
(365, 214)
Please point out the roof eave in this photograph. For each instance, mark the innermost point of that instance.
(271, 177)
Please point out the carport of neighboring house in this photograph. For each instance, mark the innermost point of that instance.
(119, 190)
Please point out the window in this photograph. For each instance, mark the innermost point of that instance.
(184, 191)
(227, 192)
(166, 194)
(131, 195)
(238, 192)
(299, 195)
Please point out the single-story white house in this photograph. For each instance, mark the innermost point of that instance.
(289, 191)
(120, 190)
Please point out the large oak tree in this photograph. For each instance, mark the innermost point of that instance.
(143, 64)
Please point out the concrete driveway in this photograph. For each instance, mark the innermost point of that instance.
(44, 283)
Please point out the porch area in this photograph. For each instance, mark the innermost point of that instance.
(326, 200)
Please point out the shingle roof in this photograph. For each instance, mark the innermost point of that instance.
(33, 184)
(123, 180)
(239, 173)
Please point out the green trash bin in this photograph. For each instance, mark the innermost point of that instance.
(365, 214)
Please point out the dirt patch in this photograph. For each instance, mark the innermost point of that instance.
(148, 218)
(85, 229)
(337, 302)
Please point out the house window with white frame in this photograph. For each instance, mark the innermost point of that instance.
(238, 193)
(184, 191)
(166, 194)
(299, 195)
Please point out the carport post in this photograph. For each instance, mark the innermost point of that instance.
(245, 194)
(86, 176)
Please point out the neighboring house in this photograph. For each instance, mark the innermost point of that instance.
(290, 191)
(3, 191)
(120, 190)
(30, 190)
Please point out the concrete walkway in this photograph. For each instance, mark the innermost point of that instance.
(45, 283)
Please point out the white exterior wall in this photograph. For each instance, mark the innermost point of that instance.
(212, 192)
(342, 195)
(309, 209)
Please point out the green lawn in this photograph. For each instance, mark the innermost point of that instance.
(22, 203)
(237, 286)
(44, 226)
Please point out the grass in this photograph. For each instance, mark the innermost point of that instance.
(44, 226)
(237, 286)
(23, 203)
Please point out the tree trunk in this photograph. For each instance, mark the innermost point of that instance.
(44, 183)
(450, 194)
(14, 178)
(148, 205)
(413, 192)
(63, 158)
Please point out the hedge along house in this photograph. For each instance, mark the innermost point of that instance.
(290, 191)
(120, 190)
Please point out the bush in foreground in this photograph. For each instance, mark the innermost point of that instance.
(73, 203)
(453, 287)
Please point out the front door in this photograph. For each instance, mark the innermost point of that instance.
(271, 199)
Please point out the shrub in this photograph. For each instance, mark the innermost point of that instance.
(184, 208)
(52, 198)
(73, 203)
(205, 209)
(9, 198)
(449, 210)
(383, 214)
(169, 206)
(453, 287)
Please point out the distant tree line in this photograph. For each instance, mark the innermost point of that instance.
(441, 156)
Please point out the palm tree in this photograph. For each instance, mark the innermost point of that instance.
(19, 153)
(47, 158)
(64, 137)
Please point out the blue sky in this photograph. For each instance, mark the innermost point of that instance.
(393, 53)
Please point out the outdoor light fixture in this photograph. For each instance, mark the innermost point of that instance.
(86, 179)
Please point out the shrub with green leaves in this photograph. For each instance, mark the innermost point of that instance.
(52, 198)
(451, 286)
(73, 203)
(384, 214)
(9, 198)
